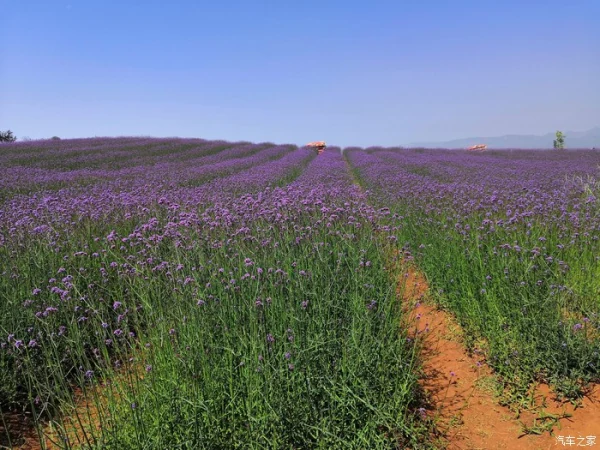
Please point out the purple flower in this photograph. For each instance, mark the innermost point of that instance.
(118, 332)
(270, 338)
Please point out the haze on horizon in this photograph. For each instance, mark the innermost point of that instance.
(351, 73)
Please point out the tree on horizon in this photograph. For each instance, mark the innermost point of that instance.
(7, 136)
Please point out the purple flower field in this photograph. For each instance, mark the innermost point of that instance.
(509, 241)
(237, 292)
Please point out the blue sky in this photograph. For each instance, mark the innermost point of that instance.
(347, 72)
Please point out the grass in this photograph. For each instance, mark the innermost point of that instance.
(218, 381)
(215, 379)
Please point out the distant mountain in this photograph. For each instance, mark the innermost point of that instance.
(573, 139)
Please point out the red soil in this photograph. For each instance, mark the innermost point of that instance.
(468, 415)
(81, 424)
(25, 437)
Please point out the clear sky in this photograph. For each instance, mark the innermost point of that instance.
(347, 72)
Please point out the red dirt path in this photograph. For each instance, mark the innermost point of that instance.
(469, 417)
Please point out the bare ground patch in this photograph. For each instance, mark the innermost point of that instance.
(457, 384)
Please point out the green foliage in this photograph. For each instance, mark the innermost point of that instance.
(336, 374)
(559, 142)
(7, 136)
(530, 310)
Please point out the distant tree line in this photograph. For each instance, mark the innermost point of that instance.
(8, 136)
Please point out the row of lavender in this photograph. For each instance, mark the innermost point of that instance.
(252, 307)
(510, 242)
(155, 162)
(129, 192)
